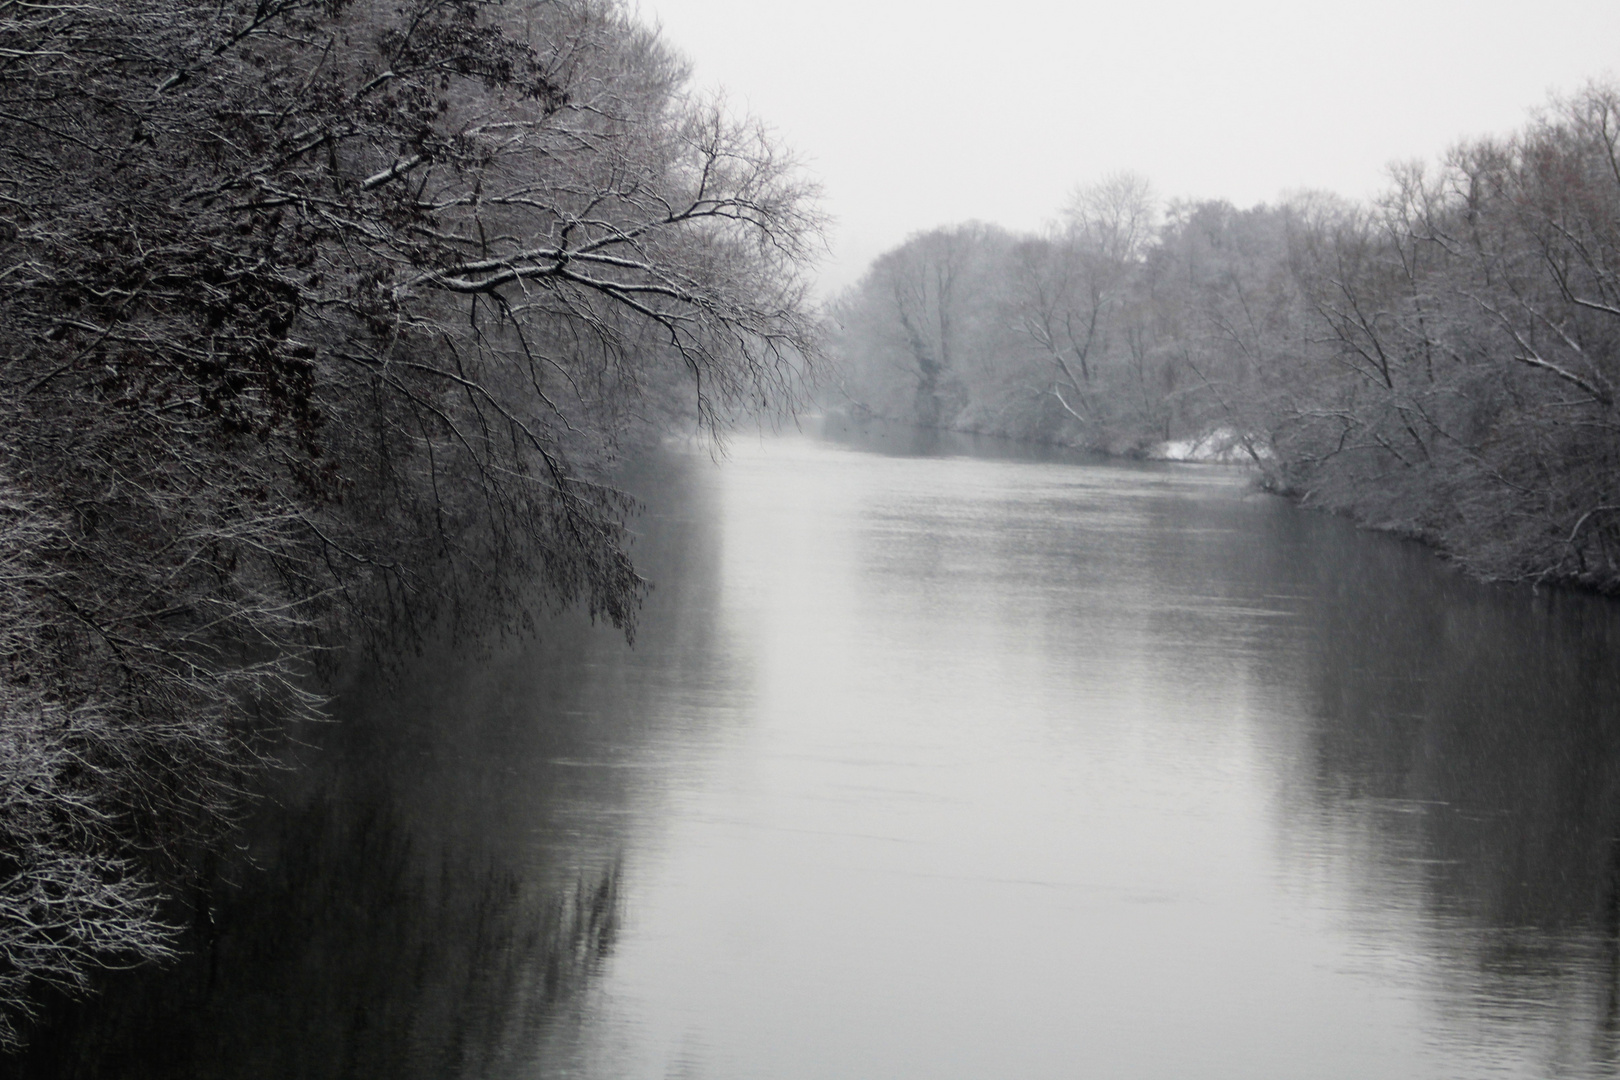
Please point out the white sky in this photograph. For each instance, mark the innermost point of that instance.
(918, 114)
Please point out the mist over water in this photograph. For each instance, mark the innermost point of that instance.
(938, 761)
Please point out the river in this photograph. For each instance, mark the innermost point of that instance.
(938, 761)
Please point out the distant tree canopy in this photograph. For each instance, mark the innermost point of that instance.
(315, 312)
(1441, 363)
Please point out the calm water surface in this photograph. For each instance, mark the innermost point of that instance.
(941, 765)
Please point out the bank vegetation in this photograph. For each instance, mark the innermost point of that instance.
(1441, 362)
(322, 319)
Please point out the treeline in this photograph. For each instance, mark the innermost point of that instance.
(320, 319)
(1441, 362)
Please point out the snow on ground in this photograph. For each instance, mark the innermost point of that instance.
(1221, 446)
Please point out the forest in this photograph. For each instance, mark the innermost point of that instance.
(323, 323)
(1440, 362)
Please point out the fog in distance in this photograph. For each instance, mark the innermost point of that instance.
(916, 114)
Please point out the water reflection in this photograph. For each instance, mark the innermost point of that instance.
(429, 888)
(1461, 758)
(947, 760)
(355, 957)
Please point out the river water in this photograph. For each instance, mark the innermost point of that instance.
(939, 761)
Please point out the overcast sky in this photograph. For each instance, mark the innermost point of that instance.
(917, 114)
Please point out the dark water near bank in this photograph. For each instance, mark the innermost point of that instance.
(938, 765)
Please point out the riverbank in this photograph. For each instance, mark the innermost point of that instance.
(263, 402)
(1481, 556)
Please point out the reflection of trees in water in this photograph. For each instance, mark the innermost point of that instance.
(352, 953)
(440, 882)
(897, 439)
(1464, 756)
(1448, 754)
(1486, 714)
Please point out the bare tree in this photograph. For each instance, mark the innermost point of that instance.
(1469, 315)
(320, 317)
(1069, 292)
(919, 314)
